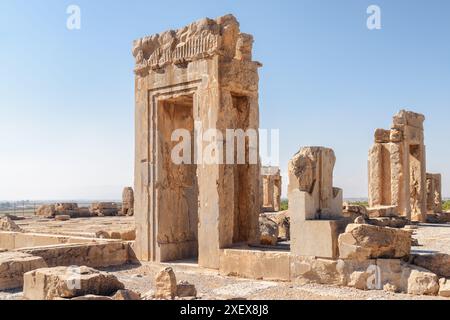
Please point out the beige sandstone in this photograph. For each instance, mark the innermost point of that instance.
(283, 221)
(439, 263)
(186, 289)
(7, 224)
(269, 231)
(126, 295)
(444, 287)
(166, 284)
(200, 74)
(62, 217)
(13, 265)
(422, 282)
(104, 209)
(362, 241)
(271, 189)
(46, 211)
(434, 193)
(397, 168)
(315, 206)
(128, 201)
(68, 282)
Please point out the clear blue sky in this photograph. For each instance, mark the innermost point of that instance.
(67, 97)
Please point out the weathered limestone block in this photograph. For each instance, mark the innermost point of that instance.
(382, 211)
(94, 255)
(259, 264)
(392, 222)
(126, 295)
(104, 209)
(62, 217)
(186, 289)
(166, 284)
(310, 269)
(283, 221)
(47, 211)
(397, 171)
(67, 209)
(422, 282)
(439, 263)
(352, 211)
(444, 287)
(361, 242)
(7, 224)
(315, 207)
(128, 201)
(13, 265)
(68, 282)
(269, 231)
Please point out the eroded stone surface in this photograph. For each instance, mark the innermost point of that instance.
(269, 231)
(7, 224)
(13, 265)
(362, 241)
(166, 284)
(186, 289)
(439, 263)
(128, 201)
(68, 282)
(397, 172)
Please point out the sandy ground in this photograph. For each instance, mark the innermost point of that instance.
(210, 285)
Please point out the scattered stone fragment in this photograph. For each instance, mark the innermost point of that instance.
(62, 217)
(68, 282)
(104, 209)
(269, 231)
(13, 265)
(166, 284)
(7, 224)
(126, 295)
(362, 242)
(439, 263)
(90, 297)
(358, 280)
(186, 289)
(390, 288)
(360, 220)
(423, 282)
(444, 287)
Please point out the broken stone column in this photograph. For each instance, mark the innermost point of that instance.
(197, 78)
(271, 189)
(397, 174)
(434, 193)
(128, 201)
(315, 206)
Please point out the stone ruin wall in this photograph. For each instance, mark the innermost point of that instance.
(270, 189)
(397, 167)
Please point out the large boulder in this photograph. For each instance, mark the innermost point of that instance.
(13, 265)
(268, 230)
(438, 263)
(422, 282)
(7, 224)
(362, 242)
(68, 282)
(166, 284)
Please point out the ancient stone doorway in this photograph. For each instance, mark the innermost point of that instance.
(178, 218)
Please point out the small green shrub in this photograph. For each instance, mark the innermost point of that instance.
(284, 205)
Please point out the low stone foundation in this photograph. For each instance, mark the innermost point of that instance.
(94, 255)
